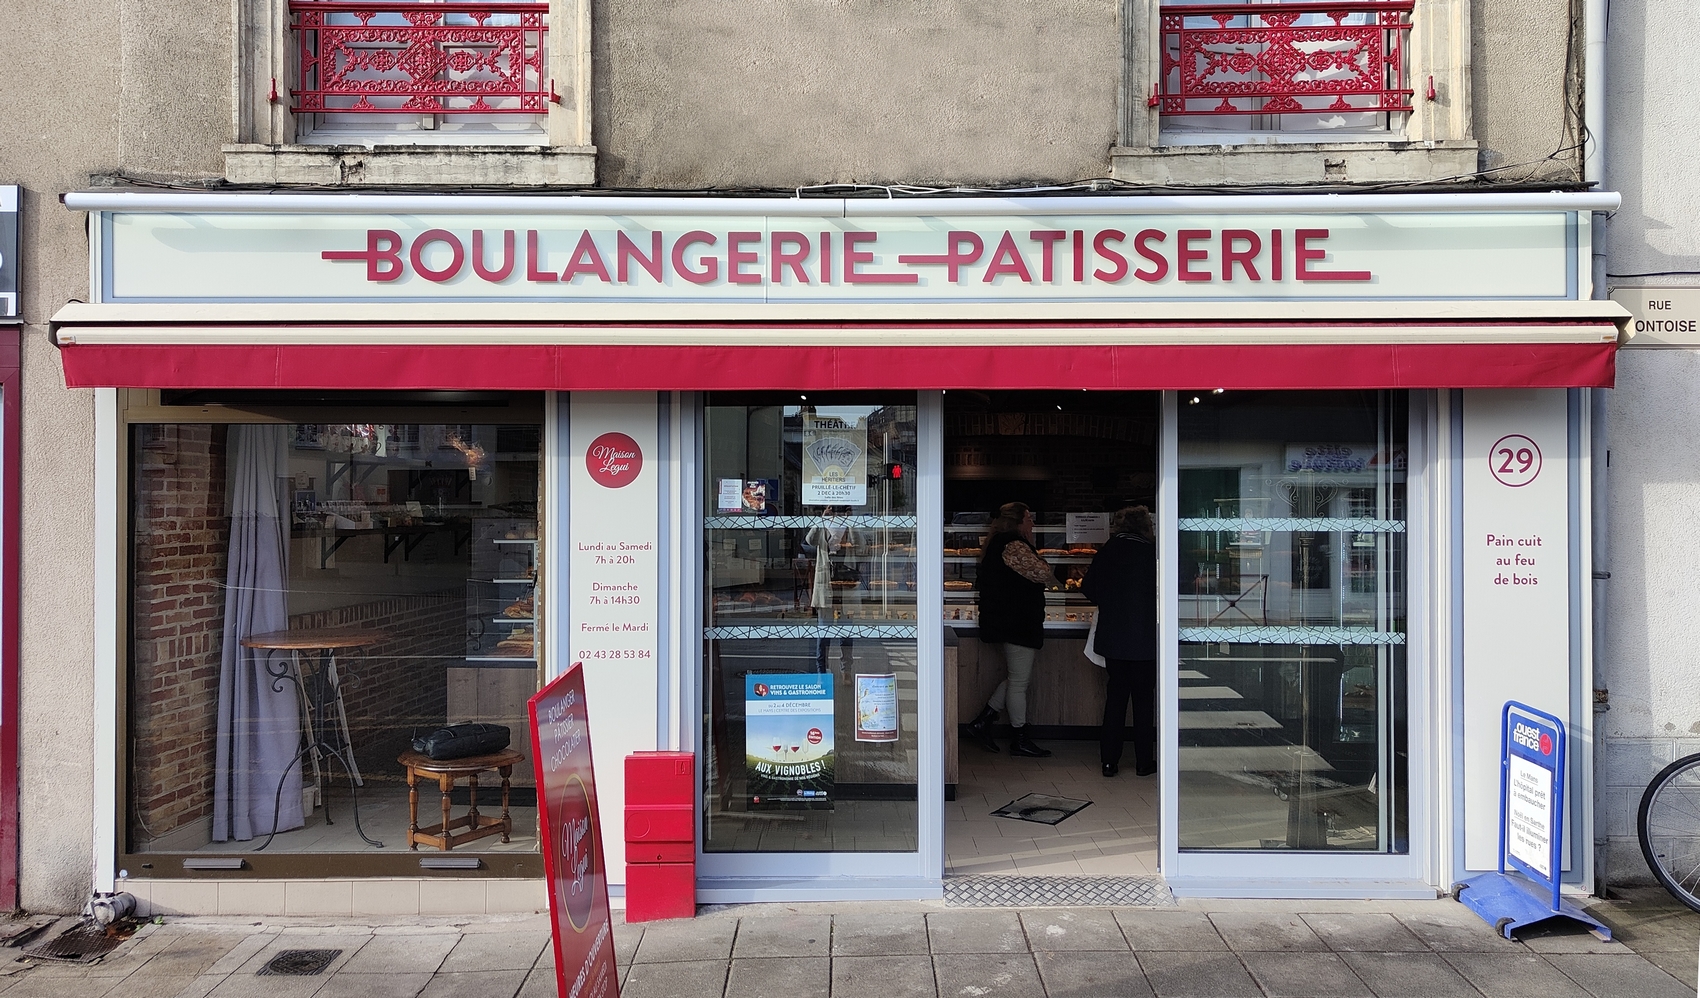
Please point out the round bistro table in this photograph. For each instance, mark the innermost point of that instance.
(319, 696)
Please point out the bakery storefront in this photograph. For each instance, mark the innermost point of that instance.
(372, 464)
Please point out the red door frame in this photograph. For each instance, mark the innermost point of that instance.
(11, 534)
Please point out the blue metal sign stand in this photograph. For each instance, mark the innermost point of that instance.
(1527, 895)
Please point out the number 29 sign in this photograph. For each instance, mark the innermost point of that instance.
(1514, 460)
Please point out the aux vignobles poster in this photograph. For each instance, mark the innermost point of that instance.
(788, 745)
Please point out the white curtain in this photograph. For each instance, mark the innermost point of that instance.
(259, 728)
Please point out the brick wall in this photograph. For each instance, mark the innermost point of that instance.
(181, 539)
(402, 683)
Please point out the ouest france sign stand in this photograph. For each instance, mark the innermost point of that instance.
(1532, 761)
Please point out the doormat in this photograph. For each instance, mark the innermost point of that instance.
(1056, 892)
(299, 963)
(1043, 808)
(84, 942)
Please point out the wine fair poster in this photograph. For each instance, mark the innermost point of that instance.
(788, 743)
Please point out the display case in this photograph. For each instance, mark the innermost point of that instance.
(1066, 610)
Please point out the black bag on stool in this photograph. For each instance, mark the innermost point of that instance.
(457, 741)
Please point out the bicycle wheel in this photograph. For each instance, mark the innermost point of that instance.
(1669, 825)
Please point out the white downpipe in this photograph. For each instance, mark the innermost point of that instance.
(1596, 19)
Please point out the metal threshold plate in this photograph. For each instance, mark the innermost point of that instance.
(1056, 892)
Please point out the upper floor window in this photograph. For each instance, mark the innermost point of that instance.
(420, 70)
(1297, 70)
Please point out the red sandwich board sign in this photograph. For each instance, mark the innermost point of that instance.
(572, 846)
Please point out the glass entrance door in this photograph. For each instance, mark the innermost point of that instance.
(812, 741)
(1290, 622)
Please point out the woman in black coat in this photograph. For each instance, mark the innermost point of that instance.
(1122, 581)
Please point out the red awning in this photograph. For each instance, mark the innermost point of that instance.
(701, 367)
(368, 346)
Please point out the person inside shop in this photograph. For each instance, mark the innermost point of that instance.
(832, 542)
(1012, 581)
(1122, 582)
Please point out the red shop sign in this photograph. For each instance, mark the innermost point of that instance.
(572, 846)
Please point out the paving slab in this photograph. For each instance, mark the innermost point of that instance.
(154, 986)
(1091, 974)
(1248, 932)
(1305, 975)
(1366, 932)
(686, 940)
(1513, 975)
(1619, 975)
(879, 935)
(1409, 975)
(1198, 975)
(966, 975)
(1449, 934)
(1569, 939)
(540, 983)
(784, 936)
(32, 985)
(692, 979)
(1062, 929)
(251, 985)
(1679, 965)
(192, 954)
(626, 940)
(975, 932)
(882, 976)
(491, 983)
(390, 985)
(495, 951)
(780, 977)
(398, 954)
(1176, 931)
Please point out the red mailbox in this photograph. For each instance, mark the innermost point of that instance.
(660, 836)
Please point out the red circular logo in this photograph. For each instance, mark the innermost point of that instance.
(613, 460)
(814, 736)
(1546, 744)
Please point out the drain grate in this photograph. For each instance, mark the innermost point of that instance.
(1056, 892)
(299, 963)
(84, 942)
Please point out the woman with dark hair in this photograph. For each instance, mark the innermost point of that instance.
(1122, 581)
(1012, 583)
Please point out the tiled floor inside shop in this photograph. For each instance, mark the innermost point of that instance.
(1116, 836)
(383, 816)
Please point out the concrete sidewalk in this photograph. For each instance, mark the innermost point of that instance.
(1305, 949)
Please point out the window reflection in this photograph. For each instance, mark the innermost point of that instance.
(1291, 583)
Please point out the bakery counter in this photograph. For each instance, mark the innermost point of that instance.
(1066, 689)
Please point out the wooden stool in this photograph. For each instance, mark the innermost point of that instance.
(447, 772)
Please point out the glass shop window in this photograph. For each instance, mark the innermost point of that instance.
(809, 644)
(306, 600)
(1291, 574)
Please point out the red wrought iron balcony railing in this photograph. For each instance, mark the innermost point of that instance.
(1285, 58)
(399, 57)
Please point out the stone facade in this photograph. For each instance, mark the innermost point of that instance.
(654, 95)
